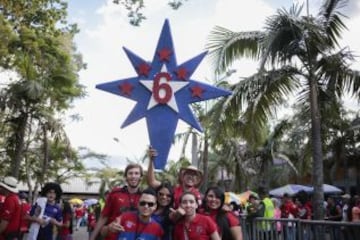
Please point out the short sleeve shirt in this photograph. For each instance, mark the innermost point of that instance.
(200, 228)
(231, 218)
(117, 202)
(51, 211)
(134, 228)
(11, 212)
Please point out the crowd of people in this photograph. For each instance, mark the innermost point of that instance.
(343, 208)
(160, 211)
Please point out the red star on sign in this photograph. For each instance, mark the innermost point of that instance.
(181, 73)
(197, 91)
(143, 69)
(126, 88)
(164, 54)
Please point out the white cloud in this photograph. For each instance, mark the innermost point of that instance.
(101, 43)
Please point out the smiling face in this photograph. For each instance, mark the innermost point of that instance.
(133, 177)
(190, 178)
(212, 200)
(146, 206)
(189, 204)
(164, 197)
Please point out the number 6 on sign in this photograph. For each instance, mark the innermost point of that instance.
(164, 96)
(163, 90)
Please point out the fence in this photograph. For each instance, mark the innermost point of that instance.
(296, 229)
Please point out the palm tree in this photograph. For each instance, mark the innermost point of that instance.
(298, 55)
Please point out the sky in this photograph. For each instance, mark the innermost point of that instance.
(104, 31)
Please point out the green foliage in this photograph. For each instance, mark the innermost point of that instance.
(298, 55)
(134, 9)
(38, 50)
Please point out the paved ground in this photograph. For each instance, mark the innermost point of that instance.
(81, 234)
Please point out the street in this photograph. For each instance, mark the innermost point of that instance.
(81, 234)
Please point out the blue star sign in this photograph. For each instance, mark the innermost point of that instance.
(163, 91)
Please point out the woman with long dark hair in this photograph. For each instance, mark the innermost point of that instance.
(194, 226)
(66, 230)
(227, 223)
(165, 199)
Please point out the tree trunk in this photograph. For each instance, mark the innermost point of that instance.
(46, 154)
(194, 150)
(318, 174)
(206, 162)
(19, 146)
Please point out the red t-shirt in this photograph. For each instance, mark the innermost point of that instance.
(91, 220)
(11, 212)
(24, 225)
(65, 231)
(289, 208)
(134, 228)
(178, 191)
(79, 212)
(231, 218)
(200, 228)
(118, 201)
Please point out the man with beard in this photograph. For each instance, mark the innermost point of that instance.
(120, 200)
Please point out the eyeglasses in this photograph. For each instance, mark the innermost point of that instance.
(143, 203)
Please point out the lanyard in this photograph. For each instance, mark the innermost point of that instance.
(139, 233)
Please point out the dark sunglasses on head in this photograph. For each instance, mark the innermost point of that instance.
(143, 203)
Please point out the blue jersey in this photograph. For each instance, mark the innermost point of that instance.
(136, 229)
(166, 225)
(51, 211)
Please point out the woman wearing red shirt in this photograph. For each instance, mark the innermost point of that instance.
(228, 225)
(194, 226)
(65, 232)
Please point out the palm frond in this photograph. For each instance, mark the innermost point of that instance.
(337, 76)
(283, 37)
(226, 46)
(330, 18)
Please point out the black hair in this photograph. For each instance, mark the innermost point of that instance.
(236, 207)
(302, 196)
(52, 186)
(167, 222)
(23, 195)
(169, 187)
(221, 218)
(68, 210)
(149, 191)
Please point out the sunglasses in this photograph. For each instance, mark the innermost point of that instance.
(143, 203)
